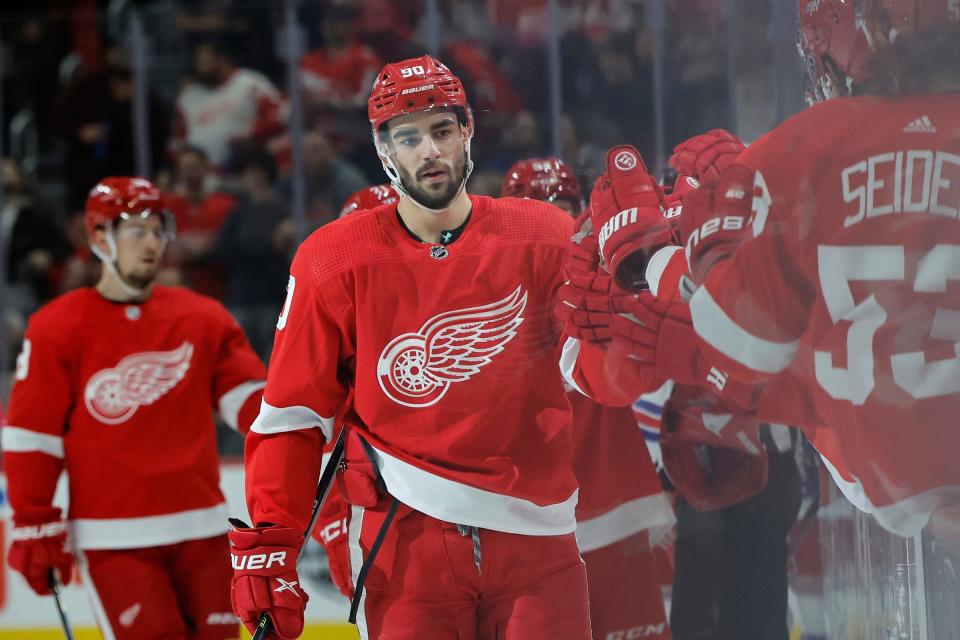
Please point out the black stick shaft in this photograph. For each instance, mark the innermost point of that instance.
(265, 626)
(58, 599)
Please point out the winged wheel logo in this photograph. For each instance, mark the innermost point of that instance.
(113, 395)
(417, 369)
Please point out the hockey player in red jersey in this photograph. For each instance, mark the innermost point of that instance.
(426, 328)
(621, 503)
(116, 386)
(827, 253)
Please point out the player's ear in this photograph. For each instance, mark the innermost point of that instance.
(99, 240)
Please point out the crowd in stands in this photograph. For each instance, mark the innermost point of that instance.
(218, 116)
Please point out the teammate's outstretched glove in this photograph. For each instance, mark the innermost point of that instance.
(711, 452)
(707, 155)
(716, 218)
(660, 338)
(626, 207)
(585, 306)
(37, 549)
(265, 579)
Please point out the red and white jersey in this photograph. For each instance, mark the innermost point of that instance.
(850, 281)
(243, 106)
(121, 396)
(620, 491)
(443, 358)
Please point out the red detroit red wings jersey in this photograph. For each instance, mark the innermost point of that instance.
(620, 492)
(850, 279)
(121, 396)
(442, 358)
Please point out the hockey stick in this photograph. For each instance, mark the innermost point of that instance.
(265, 625)
(58, 599)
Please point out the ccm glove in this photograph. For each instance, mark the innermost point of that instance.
(265, 579)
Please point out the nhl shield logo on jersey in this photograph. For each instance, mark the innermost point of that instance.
(417, 369)
(113, 395)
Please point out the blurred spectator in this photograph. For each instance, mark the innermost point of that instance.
(96, 119)
(81, 268)
(698, 98)
(200, 209)
(35, 244)
(523, 138)
(387, 27)
(253, 246)
(223, 105)
(340, 72)
(247, 26)
(330, 180)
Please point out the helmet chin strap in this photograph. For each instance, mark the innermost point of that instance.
(394, 175)
(110, 264)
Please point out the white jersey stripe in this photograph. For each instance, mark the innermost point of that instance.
(720, 331)
(20, 440)
(452, 501)
(624, 521)
(149, 531)
(283, 419)
(232, 401)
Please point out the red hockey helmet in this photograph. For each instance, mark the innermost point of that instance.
(412, 85)
(833, 46)
(546, 179)
(370, 197)
(114, 199)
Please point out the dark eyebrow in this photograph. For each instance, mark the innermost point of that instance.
(446, 122)
(403, 132)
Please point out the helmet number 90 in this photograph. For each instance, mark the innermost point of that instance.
(416, 70)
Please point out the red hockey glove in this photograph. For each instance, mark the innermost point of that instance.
(716, 219)
(584, 258)
(707, 155)
(659, 336)
(331, 532)
(585, 307)
(265, 579)
(626, 210)
(711, 453)
(673, 204)
(37, 549)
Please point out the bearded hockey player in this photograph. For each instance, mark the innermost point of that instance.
(828, 254)
(425, 327)
(622, 511)
(116, 385)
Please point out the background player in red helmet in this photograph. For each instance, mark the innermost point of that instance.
(426, 327)
(115, 386)
(370, 197)
(836, 269)
(548, 179)
(621, 503)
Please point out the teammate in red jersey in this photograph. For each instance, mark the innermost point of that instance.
(621, 503)
(829, 254)
(426, 327)
(116, 386)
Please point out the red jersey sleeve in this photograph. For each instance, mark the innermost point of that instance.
(33, 437)
(239, 377)
(305, 391)
(753, 307)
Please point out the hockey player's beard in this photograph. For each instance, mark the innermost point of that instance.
(436, 199)
(141, 279)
